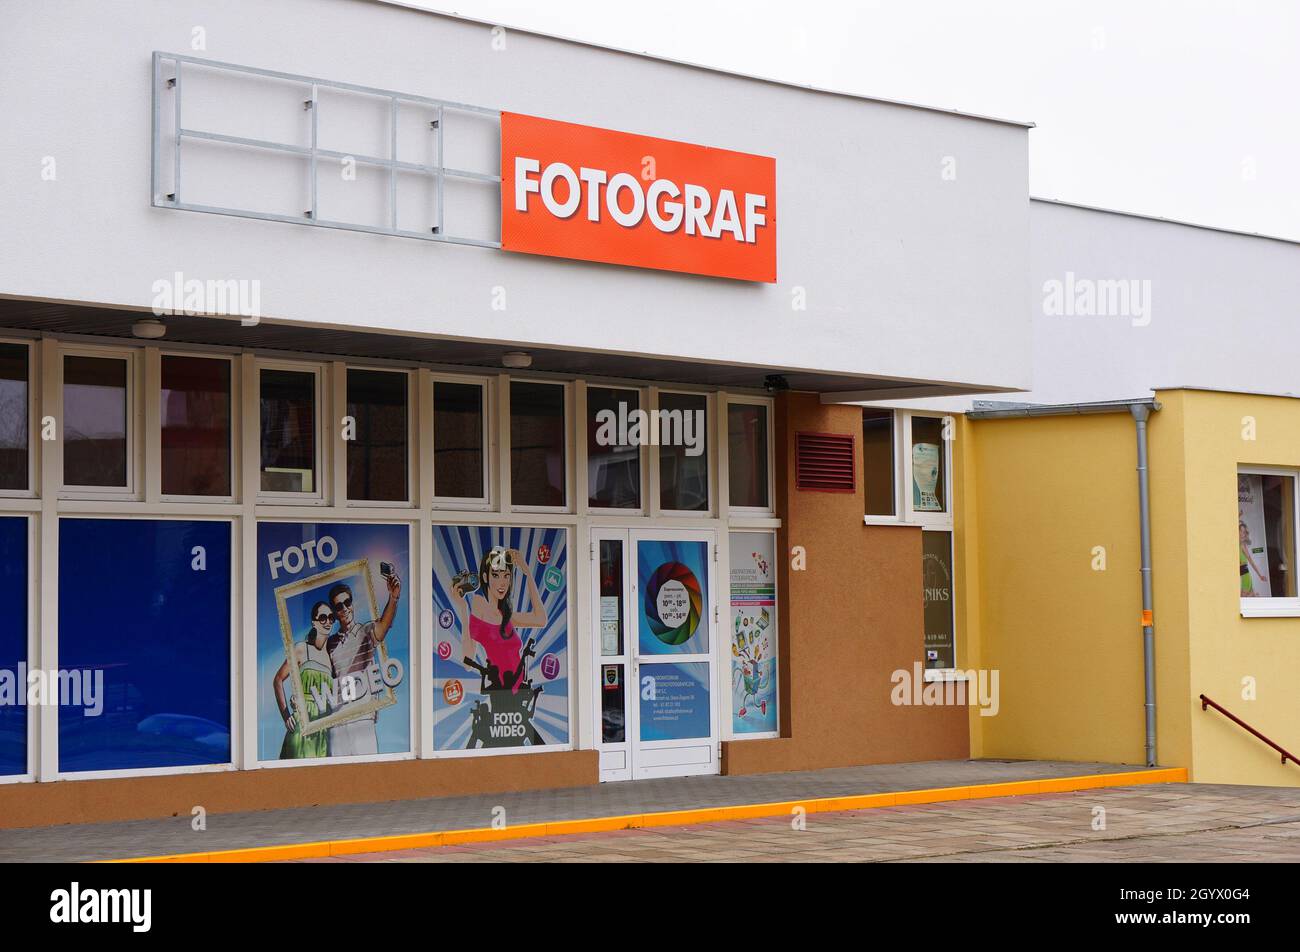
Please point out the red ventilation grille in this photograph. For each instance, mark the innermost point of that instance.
(825, 462)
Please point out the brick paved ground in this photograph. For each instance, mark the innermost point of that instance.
(1164, 823)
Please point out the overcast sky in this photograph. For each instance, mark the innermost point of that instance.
(1185, 109)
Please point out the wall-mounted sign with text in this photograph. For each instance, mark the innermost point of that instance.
(573, 191)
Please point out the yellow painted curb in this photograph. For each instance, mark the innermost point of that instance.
(867, 801)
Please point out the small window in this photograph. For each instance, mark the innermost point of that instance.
(878, 465)
(378, 467)
(747, 473)
(1266, 526)
(936, 581)
(195, 410)
(14, 415)
(95, 421)
(458, 428)
(537, 444)
(288, 411)
(614, 438)
(929, 478)
(683, 430)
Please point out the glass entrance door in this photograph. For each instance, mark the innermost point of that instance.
(655, 614)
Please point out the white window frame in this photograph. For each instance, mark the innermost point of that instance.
(33, 401)
(898, 517)
(770, 405)
(235, 403)
(484, 503)
(932, 520)
(570, 442)
(1275, 606)
(711, 456)
(412, 469)
(643, 395)
(951, 673)
(323, 475)
(133, 357)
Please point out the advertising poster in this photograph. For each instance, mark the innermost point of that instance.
(936, 568)
(673, 579)
(501, 668)
(753, 632)
(925, 477)
(675, 701)
(1252, 556)
(333, 640)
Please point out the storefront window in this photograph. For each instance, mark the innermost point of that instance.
(95, 421)
(936, 573)
(14, 376)
(195, 408)
(614, 436)
(288, 431)
(929, 483)
(458, 412)
(537, 444)
(747, 474)
(878, 465)
(13, 641)
(377, 454)
(1266, 524)
(146, 642)
(753, 633)
(683, 452)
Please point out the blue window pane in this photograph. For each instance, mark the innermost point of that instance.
(136, 610)
(13, 646)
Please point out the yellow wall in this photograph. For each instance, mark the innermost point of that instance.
(1039, 495)
(1225, 648)
(1035, 496)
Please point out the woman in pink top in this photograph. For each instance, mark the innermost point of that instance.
(487, 617)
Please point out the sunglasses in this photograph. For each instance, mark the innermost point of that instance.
(322, 617)
(342, 604)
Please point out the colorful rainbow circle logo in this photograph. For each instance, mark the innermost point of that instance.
(673, 572)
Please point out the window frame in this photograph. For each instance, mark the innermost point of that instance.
(932, 520)
(33, 421)
(1280, 606)
(770, 405)
(570, 441)
(711, 456)
(643, 457)
(134, 359)
(323, 475)
(412, 449)
(235, 403)
(898, 516)
(486, 502)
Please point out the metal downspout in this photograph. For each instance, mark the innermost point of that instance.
(1141, 413)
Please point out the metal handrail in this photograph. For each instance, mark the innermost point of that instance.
(1286, 754)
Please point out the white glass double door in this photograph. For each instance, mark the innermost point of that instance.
(655, 621)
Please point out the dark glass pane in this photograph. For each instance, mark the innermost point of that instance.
(13, 641)
(611, 597)
(288, 431)
(613, 719)
(928, 477)
(878, 461)
(536, 444)
(747, 454)
(14, 377)
(94, 421)
(614, 438)
(458, 440)
(377, 460)
(195, 426)
(936, 574)
(683, 452)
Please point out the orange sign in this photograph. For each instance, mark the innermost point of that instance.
(572, 191)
